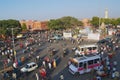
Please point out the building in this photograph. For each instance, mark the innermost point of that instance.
(35, 25)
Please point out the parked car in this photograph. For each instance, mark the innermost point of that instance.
(29, 67)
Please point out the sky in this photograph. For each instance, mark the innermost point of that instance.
(53, 9)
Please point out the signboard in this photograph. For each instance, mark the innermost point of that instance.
(94, 36)
(67, 34)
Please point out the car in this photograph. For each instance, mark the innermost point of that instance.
(29, 67)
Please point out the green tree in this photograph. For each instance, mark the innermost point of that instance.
(5, 26)
(118, 21)
(24, 27)
(70, 22)
(95, 22)
(107, 21)
(114, 22)
(55, 24)
(64, 23)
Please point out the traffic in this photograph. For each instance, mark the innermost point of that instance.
(63, 59)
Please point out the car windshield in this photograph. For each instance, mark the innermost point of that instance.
(27, 66)
(74, 63)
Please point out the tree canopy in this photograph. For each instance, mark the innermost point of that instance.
(64, 23)
(109, 21)
(95, 22)
(24, 27)
(6, 25)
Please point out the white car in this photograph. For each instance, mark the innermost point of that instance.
(29, 67)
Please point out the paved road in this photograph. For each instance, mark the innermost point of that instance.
(62, 67)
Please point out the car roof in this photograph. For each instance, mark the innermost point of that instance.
(31, 63)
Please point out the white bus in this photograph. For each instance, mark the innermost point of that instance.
(84, 64)
(87, 49)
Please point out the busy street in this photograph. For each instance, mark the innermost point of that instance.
(52, 57)
(59, 40)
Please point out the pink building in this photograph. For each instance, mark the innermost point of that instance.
(35, 25)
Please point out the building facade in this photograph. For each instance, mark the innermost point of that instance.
(35, 25)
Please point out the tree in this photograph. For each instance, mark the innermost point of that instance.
(55, 24)
(24, 27)
(70, 22)
(114, 22)
(95, 22)
(5, 26)
(118, 21)
(107, 21)
(64, 23)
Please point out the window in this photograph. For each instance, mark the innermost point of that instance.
(81, 64)
(96, 60)
(90, 62)
(30, 66)
(82, 49)
(27, 66)
(94, 48)
(89, 48)
(75, 64)
(34, 65)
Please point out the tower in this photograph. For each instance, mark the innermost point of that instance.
(106, 13)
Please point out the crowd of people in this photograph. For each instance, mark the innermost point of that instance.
(49, 62)
(109, 66)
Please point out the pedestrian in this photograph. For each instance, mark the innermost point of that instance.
(54, 63)
(49, 65)
(14, 76)
(36, 74)
(43, 73)
(61, 77)
(98, 78)
(113, 75)
(117, 75)
(115, 63)
(43, 63)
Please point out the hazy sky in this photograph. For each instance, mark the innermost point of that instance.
(51, 9)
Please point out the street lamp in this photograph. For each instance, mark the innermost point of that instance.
(13, 41)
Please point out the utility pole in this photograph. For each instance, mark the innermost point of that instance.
(13, 41)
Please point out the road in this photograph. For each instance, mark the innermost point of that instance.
(62, 68)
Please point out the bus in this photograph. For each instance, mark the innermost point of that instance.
(87, 49)
(84, 64)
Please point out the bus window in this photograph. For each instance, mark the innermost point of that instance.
(81, 64)
(85, 65)
(96, 60)
(82, 49)
(90, 62)
(94, 48)
(90, 48)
